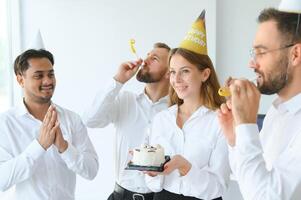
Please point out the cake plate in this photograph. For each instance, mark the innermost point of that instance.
(160, 168)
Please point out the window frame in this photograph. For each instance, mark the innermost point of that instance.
(6, 52)
(14, 47)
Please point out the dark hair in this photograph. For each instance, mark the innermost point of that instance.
(161, 45)
(21, 62)
(209, 89)
(286, 23)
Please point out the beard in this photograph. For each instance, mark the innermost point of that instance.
(144, 76)
(43, 100)
(46, 98)
(276, 80)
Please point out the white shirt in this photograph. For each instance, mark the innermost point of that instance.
(132, 115)
(268, 165)
(40, 174)
(202, 143)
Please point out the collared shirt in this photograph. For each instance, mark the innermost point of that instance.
(132, 115)
(36, 173)
(267, 165)
(202, 143)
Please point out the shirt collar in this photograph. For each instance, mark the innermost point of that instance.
(144, 95)
(202, 110)
(22, 109)
(293, 105)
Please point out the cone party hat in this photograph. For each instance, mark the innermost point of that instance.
(195, 40)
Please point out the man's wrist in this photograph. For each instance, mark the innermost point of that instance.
(63, 147)
(42, 145)
(231, 141)
(118, 79)
(243, 120)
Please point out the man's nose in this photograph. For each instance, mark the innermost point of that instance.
(253, 64)
(47, 80)
(146, 60)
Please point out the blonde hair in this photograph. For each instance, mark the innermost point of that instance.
(208, 91)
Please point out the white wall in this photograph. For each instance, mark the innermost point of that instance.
(90, 38)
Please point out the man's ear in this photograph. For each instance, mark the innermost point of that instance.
(167, 74)
(296, 54)
(20, 80)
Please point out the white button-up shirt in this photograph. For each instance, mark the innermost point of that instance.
(202, 143)
(132, 115)
(268, 165)
(36, 173)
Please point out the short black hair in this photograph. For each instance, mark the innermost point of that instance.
(21, 62)
(287, 23)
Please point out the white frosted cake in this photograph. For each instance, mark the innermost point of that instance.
(148, 156)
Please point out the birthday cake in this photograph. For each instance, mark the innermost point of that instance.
(148, 155)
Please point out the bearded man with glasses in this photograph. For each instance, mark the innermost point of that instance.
(267, 165)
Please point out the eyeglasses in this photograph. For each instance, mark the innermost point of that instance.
(254, 55)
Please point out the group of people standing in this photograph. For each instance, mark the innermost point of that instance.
(43, 146)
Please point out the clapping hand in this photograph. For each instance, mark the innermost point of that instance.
(48, 129)
(59, 141)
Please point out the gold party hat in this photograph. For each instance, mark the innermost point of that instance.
(195, 40)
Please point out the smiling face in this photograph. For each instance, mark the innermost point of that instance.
(185, 78)
(38, 81)
(193, 78)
